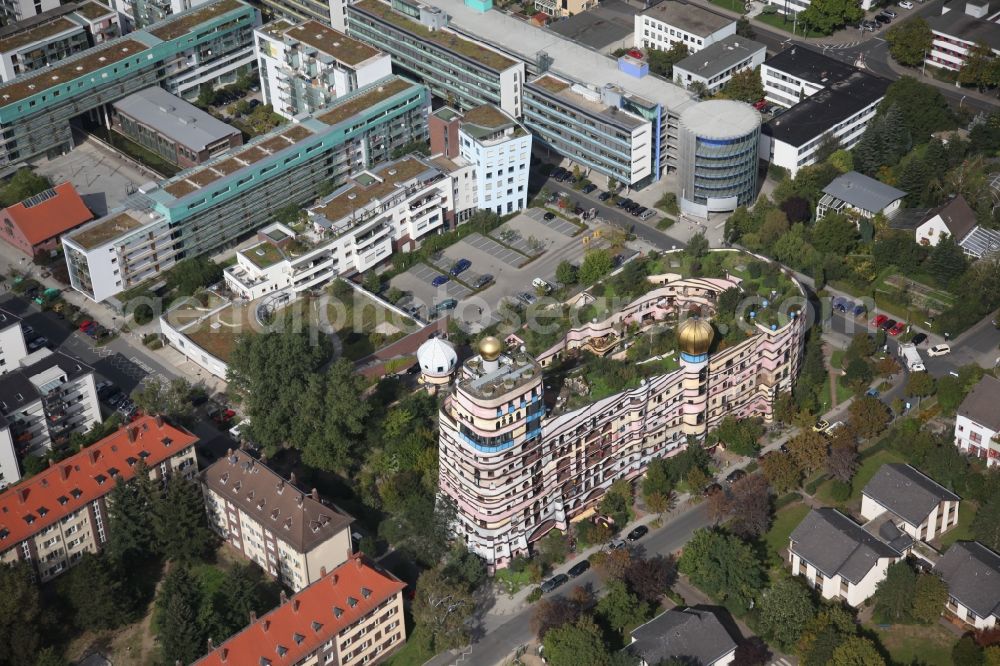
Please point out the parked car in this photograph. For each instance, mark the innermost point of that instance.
(919, 339)
(637, 533)
(887, 324)
(622, 203)
(906, 4)
(859, 310)
(38, 343)
(579, 569)
(554, 582)
(736, 475)
(84, 325)
(445, 305)
(891, 13)
(527, 298)
(604, 196)
(872, 393)
(636, 212)
(879, 320)
(648, 213)
(616, 544)
(539, 283)
(821, 425)
(549, 216)
(460, 267)
(482, 281)
(760, 104)
(440, 280)
(589, 188)
(898, 328)
(939, 350)
(882, 19)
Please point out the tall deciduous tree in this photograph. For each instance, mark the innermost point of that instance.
(662, 62)
(441, 609)
(894, 594)
(808, 448)
(868, 416)
(750, 506)
(722, 565)
(596, 264)
(929, 597)
(620, 608)
(781, 471)
(986, 524)
(857, 651)
(828, 15)
(576, 644)
(20, 614)
(784, 611)
(910, 41)
(341, 421)
(744, 86)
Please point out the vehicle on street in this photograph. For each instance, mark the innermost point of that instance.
(539, 283)
(589, 188)
(636, 212)
(440, 280)
(527, 298)
(622, 203)
(647, 214)
(616, 544)
(879, 320)
(887, 324)
(821, 425)
(834, 427)
(919, 339)
(735, 476)
(445, 305)
(897, 328)
(549, 216)
(637, 533)
(939, 350)
(891, 13)
(482, 281)
(872, 393)
(84, 325)
(760, 104)
(604, 196)
(554, 582)
(579, 569)
(859, 310)
(460, 267)
(882, 19)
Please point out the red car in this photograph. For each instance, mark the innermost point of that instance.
(879, 320)
(760, 104)
(85, 324)
(897, 329)
(635, 53)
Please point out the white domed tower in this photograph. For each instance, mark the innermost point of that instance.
(694, 337)
(437, 359)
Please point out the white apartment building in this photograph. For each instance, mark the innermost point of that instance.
(916, 504)
(797, 73)
(289, 533)
(42, 403)
(44, 40)
(838, 557)
(978, 421)
(958, 29)
(714, 65)
(671, 22)
(972, 573)
(305, 67)
(500, 150)
(12, 344)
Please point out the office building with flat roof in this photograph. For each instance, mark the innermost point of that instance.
(500, 149)
(50, 520)
(305, 67)
(958, 29)
(138, 14)
(44, 40)
(174, 129)
(210, 207)
(675, 22)
(714, 65)
(799, 72)
(208, 45)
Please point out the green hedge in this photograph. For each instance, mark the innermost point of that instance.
(785, 500)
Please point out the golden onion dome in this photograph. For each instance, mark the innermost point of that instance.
(694, 336)
(490, 348)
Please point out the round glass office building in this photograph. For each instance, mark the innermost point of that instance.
(718, 156)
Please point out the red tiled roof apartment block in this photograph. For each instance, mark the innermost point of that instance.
(54, 517)
(291, 534)
(34, 225)
(352, 615)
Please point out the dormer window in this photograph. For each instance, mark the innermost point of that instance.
(143, 454)
(352, 602)
(337, 612)
(76, 492)
(42, 511)
(281, 650)
(29, 519)
(4, 533)
(62, 499)
(131, 460)
(365, 592)
(167, 441)
(298, 638)
(113, 471)
(100, 478)
(316, 626)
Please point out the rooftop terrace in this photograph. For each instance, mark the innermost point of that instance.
(514, 370)
(550, 83)
(352, 106)
(449, 40)
(92, 60)
(102, 231)
(359, 195)
(332, 42)
(36, 34)
(488, 116)
(93, 10)
(183, 23)
(264, 254)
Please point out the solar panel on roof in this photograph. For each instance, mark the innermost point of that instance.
(38, 198)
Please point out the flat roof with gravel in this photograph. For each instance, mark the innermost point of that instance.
(332, 42)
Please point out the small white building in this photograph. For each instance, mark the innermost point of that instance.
(957, 219)
(714, 65)
(856, 195)
(917, 505)
(972, 573)
(674, 21)
(841, 559)
(305, 67)
(690, 634)
(356, 228)
(12, 343)
(500, 150)
(978, 421)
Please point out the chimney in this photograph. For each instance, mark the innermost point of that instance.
(282, 598)
(322, 572)
(22, 494)
(51, 462)
(131, 435)
(333, 579)
(253, 616)
(291, 478)
(295, 605)
(159, 421)
(265, 625)
(211, 644)
(66, 469)
(94, 455)
(315, 494)
(223, 655)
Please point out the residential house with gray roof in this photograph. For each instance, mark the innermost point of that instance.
(977, 423)
(916, 504)
(956, 218)
(840, 558)
(715, 64)
(972, 574)
(690, 635)
(857, 194)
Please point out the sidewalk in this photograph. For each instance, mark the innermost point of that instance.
(919, 75)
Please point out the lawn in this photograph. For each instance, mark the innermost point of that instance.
(778, 21)
(412, 654)
(364, 325)
(843, 393)
(786, 520)
(731, 5)
(962, 531)
(917, 644)
(837, 359)
(865, 472)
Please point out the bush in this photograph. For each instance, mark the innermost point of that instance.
(665, 223)
(668, 203)
(535, 595)
(785, 500)
(840, 491)
(814, 485)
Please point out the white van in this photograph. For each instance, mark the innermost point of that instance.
(539, 283)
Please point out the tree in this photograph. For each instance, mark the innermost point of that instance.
(96, 594)
(617, 502)
(923, 108)
(372, 282)
(835, 234)
(620, 608)
(929, 598)
(894, 594)
(342, 417)
(612, 564)
(244, 591)
(744, 86)
(966, 652)
(797, 209)
(979, 69)
(723, 566)
(986, 524)
(441, 608)
(752, 652)
(781, 471)
(172, 400)
(20, 614)
(697, 246)
(596, 264)
(909, 41)
(662, 62)
(947, 261)
(181, 526)
(808, 448)
(857, 651)
(920, 385)
(553, 548)
(650, 578)
(49, 657)
(842, 462)
(858, 374)
(784, 611)
(552, 613)
(130, 531)
(750, 506)
(950, 394)
(23, 184)
(744, 28)
(181, 636)
(739, 435)
(189, 275)
(868, 416)
(566, 273)
(828, 15)
(576, 644)
(416, 523)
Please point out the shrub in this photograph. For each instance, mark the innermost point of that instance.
(535, 595)
(840, 491)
